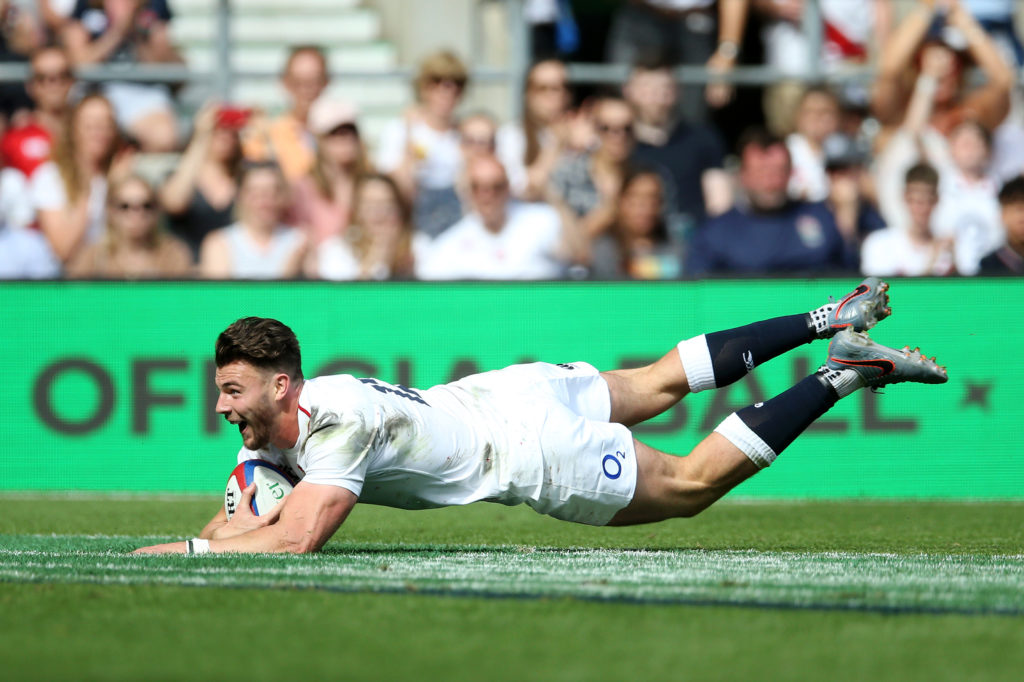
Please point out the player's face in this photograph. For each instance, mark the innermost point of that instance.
(246, 399)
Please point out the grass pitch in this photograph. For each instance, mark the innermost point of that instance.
(746, 590)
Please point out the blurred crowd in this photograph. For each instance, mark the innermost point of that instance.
(917, 171)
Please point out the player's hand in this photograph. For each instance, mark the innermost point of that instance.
(243, 520)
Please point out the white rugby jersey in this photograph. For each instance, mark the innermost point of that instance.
(449, 445)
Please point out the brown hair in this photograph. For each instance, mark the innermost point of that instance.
(531, 127)
(65, 152)
(320, 181)
(359, 239)
(660, 232)
(261, 342)
(924, 174)
(111, 239)
(443, 64)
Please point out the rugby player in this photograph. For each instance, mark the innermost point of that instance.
(552, 436)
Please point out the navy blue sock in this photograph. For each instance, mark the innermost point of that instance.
(734, 352)
(780, 420)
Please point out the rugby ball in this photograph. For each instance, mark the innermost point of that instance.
(272, 486)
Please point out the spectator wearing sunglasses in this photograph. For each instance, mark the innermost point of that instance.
(585, 187)
(322, 200)
(28, 145)
(421, 150)
(134, 246)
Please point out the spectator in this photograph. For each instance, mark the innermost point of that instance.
(996, 17)
(767, 232)
(817, 117)
(322, 200)
(531, 147)
(906, 52)
(849, 189)
(134, 246)
(584, 187)
(257, 245)
(692, 32)
(639, 245)
(911, 250)
(421, 150)
(24, 253)
(689, 155)
(28, 145)
(70, 193)
(499, 239)
(1010, 257)
(20, 36)
(477, 138)
(200, 195)
(380, 243)
(847, 29)
(129, 32)
(287, 140)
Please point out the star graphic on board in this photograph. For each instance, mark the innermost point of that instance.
(977, 394)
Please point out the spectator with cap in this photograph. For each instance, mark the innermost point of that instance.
(322, 200)
(1009, 259)
(125, 33)
(421, 150)
(69, 193)
(258, 245)
(912, 249)
(199, 196)
(24, 252)
(499, 238)
(28, 145)
(380, 244)
(849, 192)
(767, 232)
(286, 140)
(135, 245)
(532, 146)
(690, 156)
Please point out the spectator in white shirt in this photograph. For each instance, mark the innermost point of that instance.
(911, 250)
(499, 239)
(817, 117)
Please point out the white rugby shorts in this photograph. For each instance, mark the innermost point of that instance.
(589, 464)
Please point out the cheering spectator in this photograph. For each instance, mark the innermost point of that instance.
(688, 154)
(257, 245)
(1010, 257)
(499, 239)
(129, 32)
(322, 200)
(768, 232)
(817, 117)
(584, 187)
(849, 189)
(530, 148)
(997, 18)
(934, 26)
(70, 192)
(200, 195)
(638, 245)
(28, 145)
(911, 249)
(421, 150)
(692, 32)
(380, 243)
(134, 246)
(287, 140)
(24, 253)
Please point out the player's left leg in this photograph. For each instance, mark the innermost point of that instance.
(750, 439)
(721, 358)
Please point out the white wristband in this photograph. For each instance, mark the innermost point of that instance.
(197, 546)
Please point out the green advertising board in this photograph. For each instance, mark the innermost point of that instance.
(109, 386)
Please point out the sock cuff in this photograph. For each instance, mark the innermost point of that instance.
(696, 358)
(743, 437)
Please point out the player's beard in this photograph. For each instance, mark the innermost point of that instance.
(260, 424)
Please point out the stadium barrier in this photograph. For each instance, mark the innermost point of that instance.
(109, 386)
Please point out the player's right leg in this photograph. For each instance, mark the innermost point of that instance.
(750, 439)
(721, 358)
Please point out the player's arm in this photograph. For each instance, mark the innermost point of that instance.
(216, 523)
(308, 518)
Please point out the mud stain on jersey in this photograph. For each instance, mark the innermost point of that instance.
(488, 457)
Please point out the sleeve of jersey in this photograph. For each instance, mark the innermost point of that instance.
(338, 454)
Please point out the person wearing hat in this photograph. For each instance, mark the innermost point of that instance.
(848, 182)
(322, 199)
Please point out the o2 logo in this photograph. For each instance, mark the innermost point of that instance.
(612, 464)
